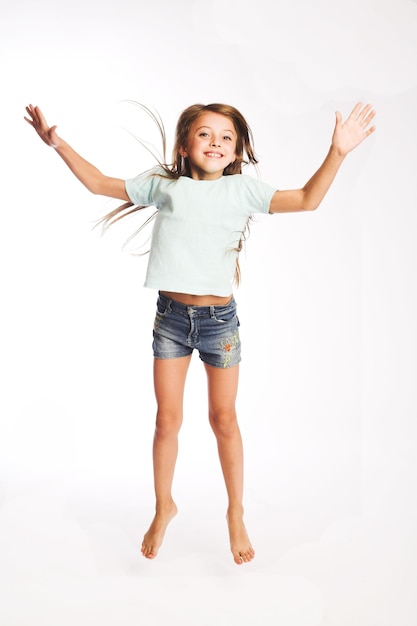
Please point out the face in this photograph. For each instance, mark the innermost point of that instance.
(211, 146)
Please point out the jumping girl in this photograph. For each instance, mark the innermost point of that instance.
(203, 205)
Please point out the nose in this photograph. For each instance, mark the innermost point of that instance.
(215, 142)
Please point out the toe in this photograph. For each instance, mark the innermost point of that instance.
(238, 558)
(146, 551)
(244, 556)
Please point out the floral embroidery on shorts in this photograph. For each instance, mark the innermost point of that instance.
(228, 345)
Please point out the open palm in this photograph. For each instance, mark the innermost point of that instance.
(45, 132)
(349, 134)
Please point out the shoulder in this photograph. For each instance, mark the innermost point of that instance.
(252, 192)
(142, 188)
(151, 178)
(251, 185)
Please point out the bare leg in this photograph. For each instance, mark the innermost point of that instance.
(222, 389)
(169, 380)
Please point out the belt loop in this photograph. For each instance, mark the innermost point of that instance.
(212, 313)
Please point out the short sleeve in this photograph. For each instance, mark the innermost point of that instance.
(141, 189)
(258, 194)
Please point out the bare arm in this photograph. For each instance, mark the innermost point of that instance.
(88, 174)
(346, 137)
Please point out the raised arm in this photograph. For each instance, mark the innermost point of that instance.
(88, 174)
(346, 137)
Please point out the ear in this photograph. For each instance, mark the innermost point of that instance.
(183, 152)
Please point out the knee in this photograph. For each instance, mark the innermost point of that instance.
(223, 422)
(168, 423)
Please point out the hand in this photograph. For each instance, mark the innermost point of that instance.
(37, 120)
(354, 130)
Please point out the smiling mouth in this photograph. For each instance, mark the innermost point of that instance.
(215, 155)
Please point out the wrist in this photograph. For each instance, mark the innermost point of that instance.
(337, 152)
(58, 145)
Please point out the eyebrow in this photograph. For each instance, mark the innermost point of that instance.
(225, 130)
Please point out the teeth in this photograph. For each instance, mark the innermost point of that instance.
(214, 154)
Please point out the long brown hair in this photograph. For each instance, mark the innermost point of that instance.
(245, 154)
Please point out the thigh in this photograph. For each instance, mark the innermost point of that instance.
(169, 382)
(222, 388)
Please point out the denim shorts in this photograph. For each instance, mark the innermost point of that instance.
(212, 330)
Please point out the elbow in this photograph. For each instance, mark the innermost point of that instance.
(311, 206)
(97, 186)
(308, 201)
(93, 186)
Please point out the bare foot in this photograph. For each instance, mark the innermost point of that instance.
(153, 538)
(239, 541)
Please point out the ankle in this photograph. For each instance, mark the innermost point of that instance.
(235, 510)
(165, 506)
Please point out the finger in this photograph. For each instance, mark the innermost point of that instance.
(369, 132)
(355, 110)
(40, 116)
(34, 117)
(369, 117)
(52, 129)
(364, 114)
(32, 111)
(29, 111)
(40, 122)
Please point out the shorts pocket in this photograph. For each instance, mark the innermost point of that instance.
(225, 315)
(161, 311)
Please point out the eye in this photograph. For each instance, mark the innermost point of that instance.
(227, 137)
(203, 134)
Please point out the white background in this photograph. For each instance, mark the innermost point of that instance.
(328, 311)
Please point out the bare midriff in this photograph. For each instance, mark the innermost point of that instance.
(192, 300)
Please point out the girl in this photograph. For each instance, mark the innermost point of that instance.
(203, 206)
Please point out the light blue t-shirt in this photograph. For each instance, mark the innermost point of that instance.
(197, 227)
